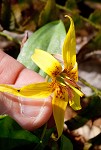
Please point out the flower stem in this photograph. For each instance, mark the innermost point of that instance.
(97, 91)
(43, 133)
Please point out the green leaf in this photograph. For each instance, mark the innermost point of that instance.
(46, 12)
(54, 145)
(12, 135)
(44, 140)
(2, 116)
(49, 38)
(92, 111)
(95, 17)
(65, 143)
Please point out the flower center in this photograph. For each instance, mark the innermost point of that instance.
(70, 73)
(60, 92)
(69, 85)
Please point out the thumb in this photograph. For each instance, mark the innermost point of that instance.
(30, 114)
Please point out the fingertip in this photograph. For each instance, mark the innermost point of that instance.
(31, 114)
(44, 115)
(28, 76)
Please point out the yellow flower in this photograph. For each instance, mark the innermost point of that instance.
(63, 80)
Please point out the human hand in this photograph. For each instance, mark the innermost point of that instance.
(29, 113)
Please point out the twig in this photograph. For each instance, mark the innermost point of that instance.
(97, 91)
(10, 38)
(83, 18)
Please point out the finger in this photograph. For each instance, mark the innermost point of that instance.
(13, 72)
(32, 113)
(9, 68)
(27, 76)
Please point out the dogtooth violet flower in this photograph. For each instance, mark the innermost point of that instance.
(62, 86)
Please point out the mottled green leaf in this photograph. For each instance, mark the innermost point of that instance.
(49, 38)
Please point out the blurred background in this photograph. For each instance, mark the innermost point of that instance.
(21, 17)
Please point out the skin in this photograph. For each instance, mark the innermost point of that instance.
(28, 113)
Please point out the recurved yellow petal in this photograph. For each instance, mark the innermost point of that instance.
(69, 46)
(46, 62)
(37, 90)
(8, 89)
(74, 72)
(59, 107)
(75, 102)
(80, 93)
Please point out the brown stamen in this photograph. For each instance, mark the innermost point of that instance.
(73, 83)
(70, 92)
